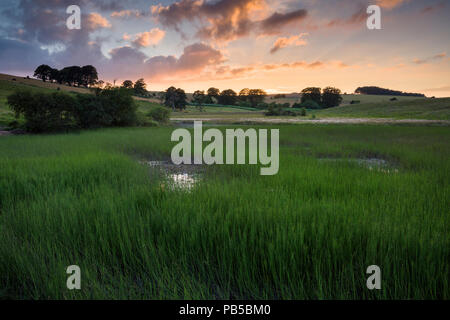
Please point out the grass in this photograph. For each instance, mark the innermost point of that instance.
(309, 232)
(432, 109)
(347, 98)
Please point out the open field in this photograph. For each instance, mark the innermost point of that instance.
(432, 109)
(309, 232)
(347, 98)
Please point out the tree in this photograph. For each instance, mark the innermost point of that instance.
(213, 93)
(71, 75)
(175, 98)
(89, 76)
(140, 87)
(313, 94)
(256, 96)
(199, 98)
(243, 94)
(43, 72)
(227, 97)
(331, 97)
(54, 75)
(128, 84)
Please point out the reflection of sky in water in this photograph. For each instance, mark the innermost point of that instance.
(182, 180)
(176, 177)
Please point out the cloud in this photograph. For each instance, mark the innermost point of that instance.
(283, 42)
(432, 8)
(225, 20)
(195, 59)
(390, 4)
(127, 14)
(17, 56)
(356, 18)
(436, 57)
(277, 21)
(152, 37)
(95, 21)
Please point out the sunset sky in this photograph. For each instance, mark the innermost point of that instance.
(279, 46)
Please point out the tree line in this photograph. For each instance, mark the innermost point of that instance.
(73, 76)
(311, 98)
(386, 92)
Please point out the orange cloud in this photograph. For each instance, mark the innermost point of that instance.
(284, 42)
(96, 21)
(126, 13)
(146, 39)
(390, 4)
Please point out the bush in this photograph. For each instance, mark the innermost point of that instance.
(160, 114)
(61, 111)
(308, 104)
(262, 105)
(303, 112)
(44, 112)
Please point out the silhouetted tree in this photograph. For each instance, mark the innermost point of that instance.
(128, 84)
(199, 98)
(213, 93)
(331, 97)
(140, 87)
(89, 76)
(313, 94)
(387, 92)
(175, 98)
(243, 94)
(227, 97)
(43, 72)
(256, 96)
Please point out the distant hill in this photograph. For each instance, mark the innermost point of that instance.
(404, 108)
(386, 92)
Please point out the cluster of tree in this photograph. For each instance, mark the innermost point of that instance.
(73, 76)
(248, 97)
(175, 98)
(46, 112)
(139, 87)
(277, 109)
(327, 98)
(386, 92)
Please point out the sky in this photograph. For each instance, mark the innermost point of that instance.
(279, 46)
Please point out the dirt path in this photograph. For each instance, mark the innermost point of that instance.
(321, 121)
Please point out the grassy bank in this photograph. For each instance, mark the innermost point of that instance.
(432, 109)
(309, 232)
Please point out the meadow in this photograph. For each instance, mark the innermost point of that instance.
(309, 232)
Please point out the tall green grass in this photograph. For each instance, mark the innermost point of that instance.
(309, 232)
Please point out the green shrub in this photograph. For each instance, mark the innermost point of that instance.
(119, 104)
(90, 112)
(60, 111)
(308, 104)
(44, 112)
(160, 114)
(303, 112)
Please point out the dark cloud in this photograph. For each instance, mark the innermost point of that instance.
(226, 19)
(17, 56)
(277, 21)
(194, 60)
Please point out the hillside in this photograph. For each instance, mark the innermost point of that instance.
(432, 109)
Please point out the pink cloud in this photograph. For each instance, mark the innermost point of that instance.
(96, 21)
(284, 42)
(149, 38)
